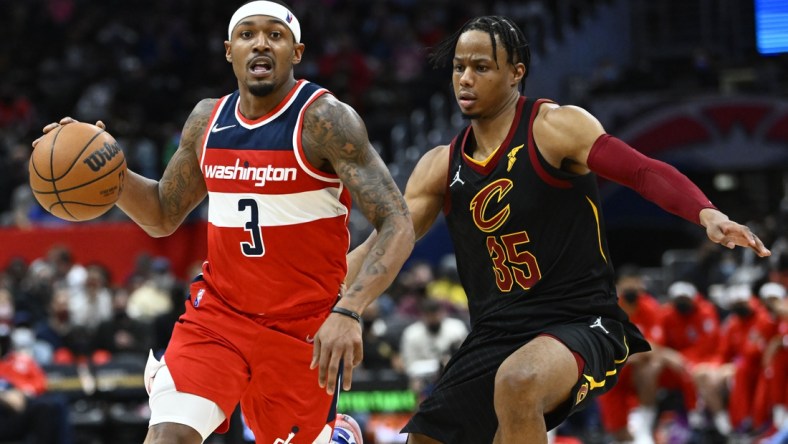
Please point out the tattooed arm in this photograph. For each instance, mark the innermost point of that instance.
(335, 140)
(160, 207)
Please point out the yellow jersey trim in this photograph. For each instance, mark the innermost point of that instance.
(481, 163)
(598, 228)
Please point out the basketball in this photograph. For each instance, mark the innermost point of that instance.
(77, 171)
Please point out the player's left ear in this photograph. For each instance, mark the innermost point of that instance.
(298, 52)
(518, 72)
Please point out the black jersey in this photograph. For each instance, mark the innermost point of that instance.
(529, 238)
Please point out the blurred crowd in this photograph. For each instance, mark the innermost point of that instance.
(719, 368)
(58, 314)
(141, 67)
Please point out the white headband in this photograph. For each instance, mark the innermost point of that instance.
(263, 7)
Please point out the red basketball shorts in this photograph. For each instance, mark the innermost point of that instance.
(229, 357)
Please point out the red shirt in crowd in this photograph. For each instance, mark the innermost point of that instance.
(22, 372)
(741, 337)
(694, 334)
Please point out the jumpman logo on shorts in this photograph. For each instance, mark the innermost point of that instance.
(457, 177)
(598, 323)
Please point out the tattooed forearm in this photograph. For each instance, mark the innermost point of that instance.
(160, 207)
(336, 140)
(176, 185)
(375, 264)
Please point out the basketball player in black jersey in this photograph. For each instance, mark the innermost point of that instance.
(519, 193)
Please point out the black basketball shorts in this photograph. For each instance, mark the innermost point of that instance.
(460, 408)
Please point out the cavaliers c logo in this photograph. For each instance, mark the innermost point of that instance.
(581, 393)
(497, 189)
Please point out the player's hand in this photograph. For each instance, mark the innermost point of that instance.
(337, 342)
(64, 121)
(729, 234)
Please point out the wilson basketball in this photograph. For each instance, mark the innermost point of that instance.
(77, 171)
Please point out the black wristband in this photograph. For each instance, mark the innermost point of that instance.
(346, 312)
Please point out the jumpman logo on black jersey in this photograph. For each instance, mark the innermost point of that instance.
(457, 177)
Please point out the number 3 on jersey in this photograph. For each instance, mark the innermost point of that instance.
(256, 248)
(511, 265)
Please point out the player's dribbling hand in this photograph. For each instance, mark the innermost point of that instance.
(729, 234)
(337, 342)
(64, 121)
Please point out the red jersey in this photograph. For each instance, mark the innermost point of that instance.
(694, 335)
(739, 334)
(277, 226)
(765, 328)
(21, 372)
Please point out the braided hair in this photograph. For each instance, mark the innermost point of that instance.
(512, 38)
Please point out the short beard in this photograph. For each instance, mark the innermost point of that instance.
(261, 89)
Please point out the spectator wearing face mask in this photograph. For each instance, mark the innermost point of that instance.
(65, 341)
(772, 393)
(628, 410)
(690, 324)
(27, 413)
(22, 382)
(769, 399)
(426, 342)
(91, 303)
(733, 372)
(642, 308)
(691, 330)
(18, 325)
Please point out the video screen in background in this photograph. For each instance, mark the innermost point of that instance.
(771, 26)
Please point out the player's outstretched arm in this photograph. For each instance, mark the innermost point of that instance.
(573, 139)
(335, 139)
(159, 207)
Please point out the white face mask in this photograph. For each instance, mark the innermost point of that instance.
(22, 338)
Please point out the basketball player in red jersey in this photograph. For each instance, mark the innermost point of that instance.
(518, 189)
(279, 159)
